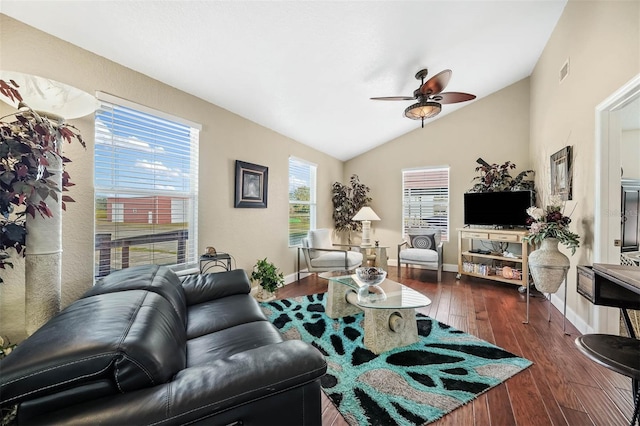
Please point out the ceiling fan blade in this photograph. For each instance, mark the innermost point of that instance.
(436, 84)
(393, 98)
(453, 97)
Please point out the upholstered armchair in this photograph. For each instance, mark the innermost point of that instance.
(422, 248)
(321, 255)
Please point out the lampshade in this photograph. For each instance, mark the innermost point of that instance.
(366, 213)
(50, 96)
(422, 110)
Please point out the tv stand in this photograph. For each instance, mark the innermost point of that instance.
(466, 253)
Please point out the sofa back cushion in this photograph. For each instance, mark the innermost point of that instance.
(158, 279)
(133, 339)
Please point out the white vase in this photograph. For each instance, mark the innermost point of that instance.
(548, 266)
(262, 295)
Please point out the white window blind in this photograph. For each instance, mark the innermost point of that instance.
(146, 187)
(302, 199)
(425, 199)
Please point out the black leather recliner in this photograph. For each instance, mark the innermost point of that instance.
(142, 347)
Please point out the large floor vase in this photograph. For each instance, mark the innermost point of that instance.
(548, 266)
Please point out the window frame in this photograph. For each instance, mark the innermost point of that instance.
(182, 201)
(438, 173)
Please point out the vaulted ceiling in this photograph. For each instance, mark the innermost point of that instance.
(307, 69)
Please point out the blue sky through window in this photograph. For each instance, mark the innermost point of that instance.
(139, 152)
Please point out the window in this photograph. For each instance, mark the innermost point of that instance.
(146, 187)
(425, 199)
(302, 199)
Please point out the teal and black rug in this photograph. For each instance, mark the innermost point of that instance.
(412, 385)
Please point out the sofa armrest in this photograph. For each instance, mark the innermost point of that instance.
(205, 287)
(201, 391)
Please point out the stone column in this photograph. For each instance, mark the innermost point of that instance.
(43, 259)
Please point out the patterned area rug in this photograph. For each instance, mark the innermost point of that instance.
(412, 385)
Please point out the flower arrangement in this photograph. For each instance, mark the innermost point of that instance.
(551, 222)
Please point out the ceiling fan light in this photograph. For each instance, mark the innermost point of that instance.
(422, 110)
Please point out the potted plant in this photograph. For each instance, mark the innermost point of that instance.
(496, 178)
(27, 145)
(269, 279)
(547, 228)
(32, 185)
(347, 201)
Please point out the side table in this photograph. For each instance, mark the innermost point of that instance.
(211, 261)
(378, 254)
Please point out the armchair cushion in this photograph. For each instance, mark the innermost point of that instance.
(418, 255)
(332, 259)
(319, 238)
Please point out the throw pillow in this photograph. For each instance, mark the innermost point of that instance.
(427, 241)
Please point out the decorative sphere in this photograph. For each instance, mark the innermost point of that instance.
(371, 276)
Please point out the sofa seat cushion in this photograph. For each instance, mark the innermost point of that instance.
(418, 255)
(157, 279)
(329, 259)
(216, 315)
(230, 341)
(133, 338)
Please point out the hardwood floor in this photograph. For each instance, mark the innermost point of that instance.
(562, 387)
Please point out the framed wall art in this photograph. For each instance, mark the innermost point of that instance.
(251, 185)
(561, 173)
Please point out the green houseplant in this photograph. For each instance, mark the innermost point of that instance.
(497, 178)
(29, 141)
(347, 201)
(267, 275)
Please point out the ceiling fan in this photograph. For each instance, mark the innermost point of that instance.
(429, 96)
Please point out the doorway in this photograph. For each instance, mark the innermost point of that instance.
(613, 116)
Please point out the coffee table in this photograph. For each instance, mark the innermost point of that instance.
(389, 310)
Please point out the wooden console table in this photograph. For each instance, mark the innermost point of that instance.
(468, 235)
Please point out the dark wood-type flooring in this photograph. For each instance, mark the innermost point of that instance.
(562, 387)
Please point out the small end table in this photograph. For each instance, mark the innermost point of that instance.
(211, 261)
(378, 254)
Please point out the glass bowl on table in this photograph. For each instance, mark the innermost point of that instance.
(371, 275)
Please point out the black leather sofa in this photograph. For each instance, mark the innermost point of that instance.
(142, 347)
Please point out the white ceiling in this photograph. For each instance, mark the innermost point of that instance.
(307, 69)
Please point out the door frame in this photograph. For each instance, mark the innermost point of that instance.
(607, 190)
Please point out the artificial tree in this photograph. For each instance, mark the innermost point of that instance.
(347, 201)
(32, 182)
(496, 178)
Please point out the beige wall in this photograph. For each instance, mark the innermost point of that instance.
(495, 128)
(601, 39)
(248, 234)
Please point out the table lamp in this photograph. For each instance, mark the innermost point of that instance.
(366, 215)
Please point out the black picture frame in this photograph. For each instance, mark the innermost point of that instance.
(251, 185)
(561, 173)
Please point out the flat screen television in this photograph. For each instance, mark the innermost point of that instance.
(506, 209)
